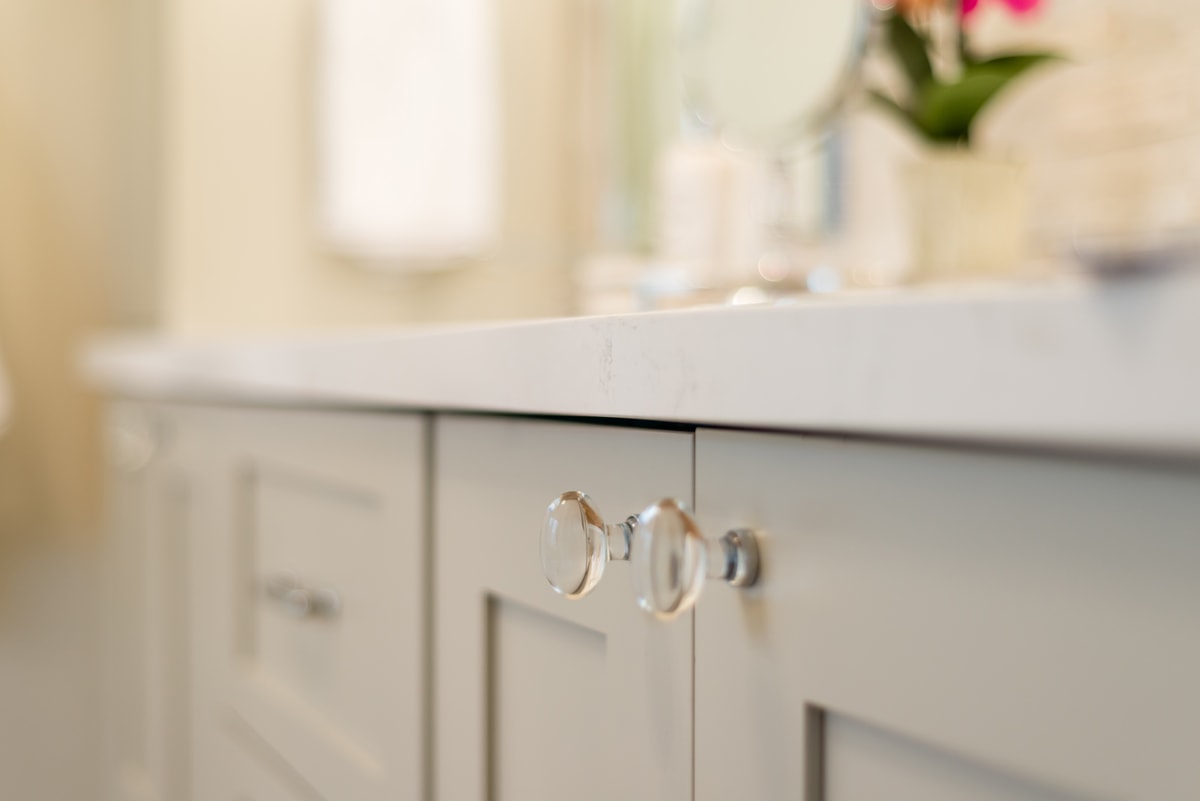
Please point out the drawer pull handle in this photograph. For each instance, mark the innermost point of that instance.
(671, 559)
(300, 601)
(577, 544)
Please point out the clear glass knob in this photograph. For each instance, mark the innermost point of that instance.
(577, 545)
(671, 559)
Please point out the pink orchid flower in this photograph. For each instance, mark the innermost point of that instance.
(1015, 6)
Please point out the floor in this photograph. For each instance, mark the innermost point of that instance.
(50, 677)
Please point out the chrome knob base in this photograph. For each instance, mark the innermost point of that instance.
(737, 558)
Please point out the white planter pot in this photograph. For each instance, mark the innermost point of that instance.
(968, 216)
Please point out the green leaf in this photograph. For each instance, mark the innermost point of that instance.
(946, 110)
(911, 51)
(1015, 63)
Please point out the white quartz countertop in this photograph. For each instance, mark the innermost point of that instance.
(1111, 365)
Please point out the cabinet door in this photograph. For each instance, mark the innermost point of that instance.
(146, 700)
(934, 625)
(325, 672)
(538, 697)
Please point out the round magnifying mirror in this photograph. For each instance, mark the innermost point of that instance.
(767, 74)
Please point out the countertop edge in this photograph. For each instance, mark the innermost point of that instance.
(1076, 364)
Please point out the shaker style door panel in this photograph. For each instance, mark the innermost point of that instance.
(935, 625)
(537, 697)
(316, 553)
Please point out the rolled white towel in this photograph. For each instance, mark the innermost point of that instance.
(409, 120)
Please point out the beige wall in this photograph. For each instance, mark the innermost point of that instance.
(240, 249)
(58, 197)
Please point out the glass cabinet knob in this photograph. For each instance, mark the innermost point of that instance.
(671, 559)
(577, 545)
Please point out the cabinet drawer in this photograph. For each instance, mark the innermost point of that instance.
(938, 625)
(539, 697)
(326, 547)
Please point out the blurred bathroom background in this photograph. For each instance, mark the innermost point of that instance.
(162, 164)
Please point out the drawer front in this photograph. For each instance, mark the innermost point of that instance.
(941, 625)
(325, 548)
(539, 697)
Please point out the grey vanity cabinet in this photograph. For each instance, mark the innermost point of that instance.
(939, 625)
(930, 624)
